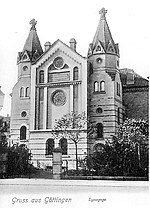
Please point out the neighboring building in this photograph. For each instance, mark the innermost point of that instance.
(135, 94)
(58, 81)
(2, 95)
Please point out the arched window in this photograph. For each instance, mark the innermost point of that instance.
(63, 145)
(99, 130)
(102, 86)
(41, 76)
(96, 86)
(21, 92)
(49, 146)
(75, 73)
(90, 68)
(118, 116)
(49, 75)
(118, 89)
(23, 131)
(27, 92)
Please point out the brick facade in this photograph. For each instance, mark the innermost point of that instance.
(136, 102)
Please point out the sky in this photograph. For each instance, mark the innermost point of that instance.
(128, 21)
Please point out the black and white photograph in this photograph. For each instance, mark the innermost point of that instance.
(74, 103)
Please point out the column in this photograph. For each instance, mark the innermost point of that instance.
(45, 108)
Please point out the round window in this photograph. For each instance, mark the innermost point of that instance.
(99, 60)
(25, 68)
(58, 62)
(58, 98)
(99, 110)
(24, 113)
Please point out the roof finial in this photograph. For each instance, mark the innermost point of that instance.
(33, 23)
(103, 11)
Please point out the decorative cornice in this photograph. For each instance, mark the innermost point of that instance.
(59, 84)
(46, 59)
(70, 56)
(58, 49)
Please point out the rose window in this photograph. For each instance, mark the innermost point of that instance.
(58, 98)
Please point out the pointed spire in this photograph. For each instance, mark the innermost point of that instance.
(103, 35)
(32, 44)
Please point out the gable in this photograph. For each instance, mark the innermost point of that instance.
(57, 48)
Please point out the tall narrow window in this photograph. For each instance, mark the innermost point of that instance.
(96, 86)
(63, 145)
(49, 75)
(21, 92)
(23, 130)
(27, 92)
(90, 68)
(99, 130)
(75, 91)
(41, 76)
(118, 89)
(75, 73)
(49, 146)
(118, 116)
(102, 86)
(40, 108)
(75, 98)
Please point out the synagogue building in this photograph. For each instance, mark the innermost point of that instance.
(58, 80)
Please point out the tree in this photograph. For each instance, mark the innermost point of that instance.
(70, 126)
(126, 153)
(18, 160)
(4, 127)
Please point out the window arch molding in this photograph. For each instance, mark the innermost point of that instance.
(99, 127)
(41, 76)
(49, 146)
(27, 92)
(23, 132)
(96, 86)
(75, 73)
(102, 86)
(63, 145)
(22, 92)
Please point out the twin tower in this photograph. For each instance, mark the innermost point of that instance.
(59, 80)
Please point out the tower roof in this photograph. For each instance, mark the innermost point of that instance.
(103, 37)
(32, 44)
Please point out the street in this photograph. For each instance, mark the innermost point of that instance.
(73, 193)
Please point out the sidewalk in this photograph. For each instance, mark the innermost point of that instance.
(95, 183)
